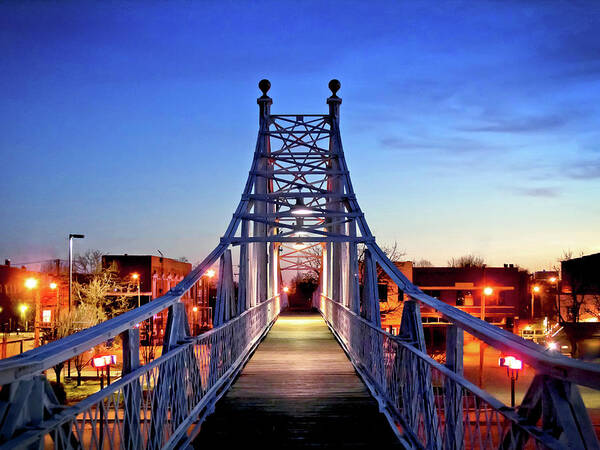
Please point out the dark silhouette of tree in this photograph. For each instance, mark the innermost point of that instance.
(467, 261)
(422, 263)
(89, 262)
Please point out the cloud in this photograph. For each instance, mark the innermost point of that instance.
(448, 145)
(546, 192)
(584, 170)
(521, 125)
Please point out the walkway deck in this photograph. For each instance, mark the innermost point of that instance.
(299, 390)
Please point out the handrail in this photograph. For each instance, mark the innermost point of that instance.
(552, 364)
(377, 381)
(205, 388)
(46, 356)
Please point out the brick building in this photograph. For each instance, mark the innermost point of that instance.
(156, 275)
(17, 303)
(504, 300)
(581, 284)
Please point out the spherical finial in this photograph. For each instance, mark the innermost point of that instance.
(334, 86)
(264, 86)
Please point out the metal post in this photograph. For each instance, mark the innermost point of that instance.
(261, 186)
(138, 292)
(481, 362)
(70, 269)
(512, 389)
(36, 318)
(71, 237)
(101, 406)
(132, 392)
(453, 400)
(335, 185)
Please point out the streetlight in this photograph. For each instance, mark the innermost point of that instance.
(54, 287)
(534, 291)
(136, 277)
(23, 309)
(71, 237)
(555, 281)
(487, 291)
(513, 366)
(210, 273)
(286, 289)
(31, 284)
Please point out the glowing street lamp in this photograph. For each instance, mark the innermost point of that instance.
(487, 291)
(54, 287)
(513, 366)
(23, 309)
(136, 277)
(534, 290)
(31, 284)
(286, 289)
(300, 209)
(210, 273)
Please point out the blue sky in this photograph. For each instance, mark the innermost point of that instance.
(470, 127)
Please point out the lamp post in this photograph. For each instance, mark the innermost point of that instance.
(555, 280)
(71, 237)
(32, 285)
(54, 287)
(136, 277)
(513, 366)
(196, 325)
(534, 290)
(485, 292)
(23, 309)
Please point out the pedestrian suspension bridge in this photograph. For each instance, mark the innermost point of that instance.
(283, 372)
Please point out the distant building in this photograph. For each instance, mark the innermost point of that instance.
(544, 290)
(581, 275)
(465, 288)
(157, 275)
(581, 282)
(17, 303)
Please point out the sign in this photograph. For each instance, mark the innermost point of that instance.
(510, 362)
(100, 361)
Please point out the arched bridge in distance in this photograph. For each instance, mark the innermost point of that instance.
(267, 377)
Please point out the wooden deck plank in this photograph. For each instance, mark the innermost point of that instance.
(299, 390)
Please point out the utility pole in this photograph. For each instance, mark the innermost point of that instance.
(71, 237)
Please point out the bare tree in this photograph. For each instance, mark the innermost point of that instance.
(83, 316)
(392, 251)
(394, 254)
(422, 263)
(89, 262)
(467, 261)
(104, 291)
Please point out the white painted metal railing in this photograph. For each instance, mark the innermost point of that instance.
(155, 405)
(428, 404)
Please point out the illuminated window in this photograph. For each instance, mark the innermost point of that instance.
(46, 315)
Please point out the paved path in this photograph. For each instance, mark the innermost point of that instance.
(299, 390)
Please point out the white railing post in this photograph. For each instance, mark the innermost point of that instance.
(453, 395)
(132, 392)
